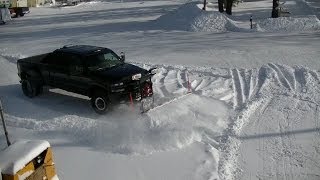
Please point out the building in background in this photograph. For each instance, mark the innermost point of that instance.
(36, 3)
(22, 3)
(4, 3)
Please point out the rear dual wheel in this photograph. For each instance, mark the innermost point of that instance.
(30, 88)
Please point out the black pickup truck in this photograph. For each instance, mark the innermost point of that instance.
(96, 72)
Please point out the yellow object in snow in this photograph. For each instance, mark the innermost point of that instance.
(27, 160)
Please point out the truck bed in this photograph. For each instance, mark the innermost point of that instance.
(33, 59)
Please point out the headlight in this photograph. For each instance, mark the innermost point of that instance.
(117, 84)
(136, 77)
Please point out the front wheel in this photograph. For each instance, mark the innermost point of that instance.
(100, 102)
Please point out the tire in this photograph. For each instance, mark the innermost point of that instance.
(29, 88)
(100, 102)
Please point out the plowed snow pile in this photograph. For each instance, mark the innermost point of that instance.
(190, 17)
(289, 24)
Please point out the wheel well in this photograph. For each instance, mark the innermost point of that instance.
(34, 76)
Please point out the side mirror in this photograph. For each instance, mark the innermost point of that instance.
(122, 56)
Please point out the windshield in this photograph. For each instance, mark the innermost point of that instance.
(102, 61)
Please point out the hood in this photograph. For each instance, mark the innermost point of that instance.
(120, 72)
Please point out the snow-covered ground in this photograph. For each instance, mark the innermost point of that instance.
(254, 108)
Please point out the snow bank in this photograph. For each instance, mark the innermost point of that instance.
(213, 22)
(191, 17)
(289, 24)
(20, 153)
(6, 69)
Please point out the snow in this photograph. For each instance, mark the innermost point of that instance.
(55, 177)
(289, 24)
(253, 110)
(19, 154)
(191, 17)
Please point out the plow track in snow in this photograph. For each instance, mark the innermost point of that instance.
(283, 76)
(242, 89)
(247, 84)
(255, 92)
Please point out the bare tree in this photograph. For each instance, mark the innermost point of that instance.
(204, 4)
(229, 7)
(220, 4)
(275, 9)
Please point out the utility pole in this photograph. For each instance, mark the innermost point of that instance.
(4, 125)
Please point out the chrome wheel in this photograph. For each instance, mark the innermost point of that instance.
(100, 103)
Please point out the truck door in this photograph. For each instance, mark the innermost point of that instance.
(56, 68)
(78, 81)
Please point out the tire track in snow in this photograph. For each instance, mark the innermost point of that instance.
(317, 122)
(245, 79)
(247, 87)
(294, 80)
(260, 79)
(161, 85)
(315, 75)
(282, 76)
(202, 85)
(182, 78)
(171, 81)
(198, 86)
(252, 82)
(300, 80)
(243, 83)
(242, 80)
(237, 90)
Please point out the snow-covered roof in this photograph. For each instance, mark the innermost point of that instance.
(20, 153)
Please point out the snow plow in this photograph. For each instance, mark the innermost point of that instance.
(26, 159)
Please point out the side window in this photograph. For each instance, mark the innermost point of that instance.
(110, 56)
(75, 64)
(69, 62)
(55, 59)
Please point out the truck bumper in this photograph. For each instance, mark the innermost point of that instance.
(135, 91)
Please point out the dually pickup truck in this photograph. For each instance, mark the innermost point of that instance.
(96, 72)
